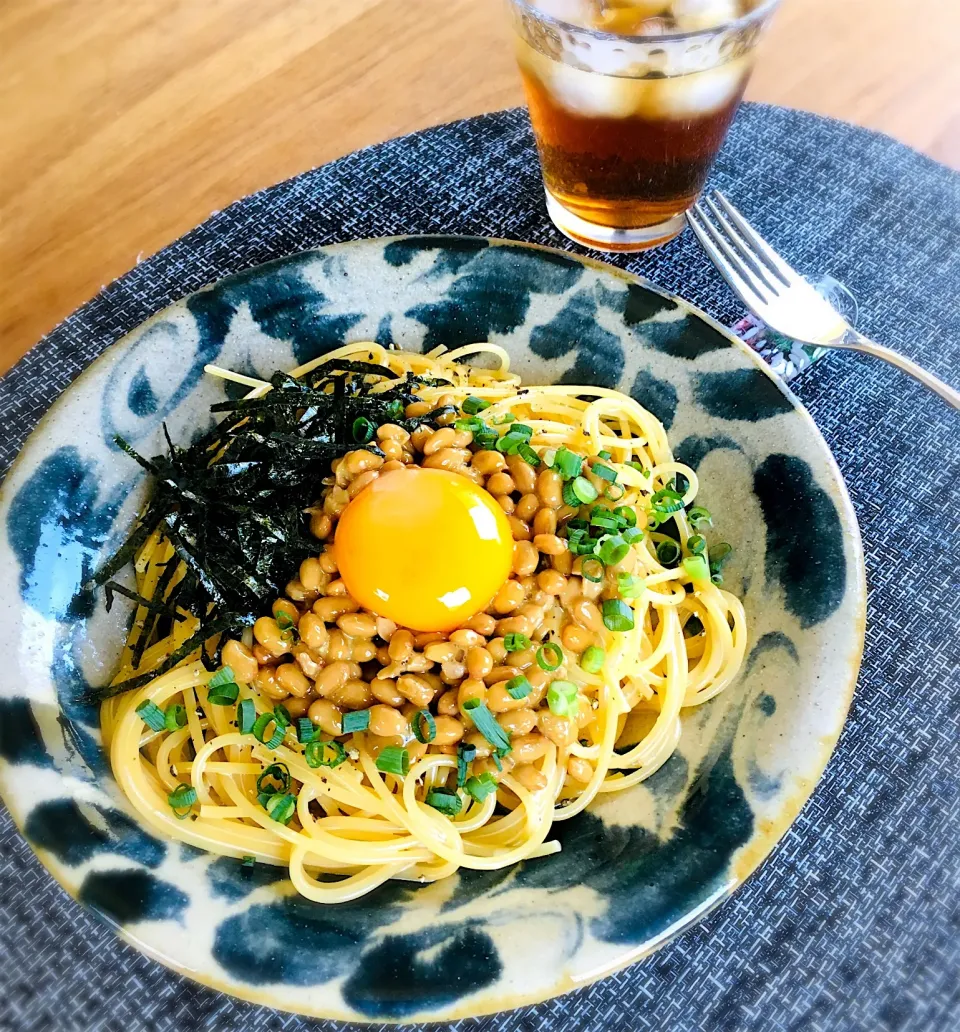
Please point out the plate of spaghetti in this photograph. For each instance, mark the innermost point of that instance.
(382, 614)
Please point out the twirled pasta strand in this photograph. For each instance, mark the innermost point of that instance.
(353, 821)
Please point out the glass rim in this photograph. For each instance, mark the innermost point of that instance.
(764, 8)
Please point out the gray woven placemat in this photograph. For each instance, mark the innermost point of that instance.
(854, 923)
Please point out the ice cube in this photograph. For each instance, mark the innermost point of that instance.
(579, 91)
(625, 17)
(693, 15)
(686, 96)
(628, 17)
(576, 12)
(592, 94)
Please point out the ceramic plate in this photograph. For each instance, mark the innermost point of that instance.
(635, 870)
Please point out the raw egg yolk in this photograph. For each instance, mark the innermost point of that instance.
(425, 548)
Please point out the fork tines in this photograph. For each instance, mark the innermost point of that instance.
(745, 260)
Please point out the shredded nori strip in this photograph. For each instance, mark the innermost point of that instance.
(112, 587)
(234, 503)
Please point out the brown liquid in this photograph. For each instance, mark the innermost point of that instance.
(627, 172)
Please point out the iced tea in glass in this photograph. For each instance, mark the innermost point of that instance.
(630, 102)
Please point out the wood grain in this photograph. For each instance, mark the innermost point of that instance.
(125, 124)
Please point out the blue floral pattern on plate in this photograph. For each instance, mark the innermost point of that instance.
(634, 870)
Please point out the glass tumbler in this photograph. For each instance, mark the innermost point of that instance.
(630, 101)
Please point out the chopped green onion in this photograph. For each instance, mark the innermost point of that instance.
(627, 514)
(422, 718)
(175, 717)
(630, 586)
(700, 517)
(222, 688)
(486, 724)
(521, 430)
(719, 554)
(260, 726)
(614, 492)
(693, 627)
(716, 578)
(515, 642)
(284, 622)
(592, 659)
(549, 656)
(396, 760)
(605, 522)
(632, 534)
(223, 694)
(604, 471)
(224, 675)
(480, 786)
(668, 552)
(519, 687)
(472, 405)
(528, 455)
(248, 861)
(584, 490)
(562, 699)
(466, 754)
(510, 443)
(363, 430)
(509, 417)
(282, 714)
(278, 772)
(485, 439)
(604, 455)
(358, 720)
(567, 464)
(617, 615)
(246, 716)
(592, 569)
(569, 497)
(151, 714)
(316, 754)
(697, 544)
(472, 424)
(305, 730)
(281, 807)
(666, 501)
(181, 801)
(613, 550)
(696, 566)
(445, 801)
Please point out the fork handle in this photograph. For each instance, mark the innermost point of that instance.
(857, 342)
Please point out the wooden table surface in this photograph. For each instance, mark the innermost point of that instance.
(125, 124)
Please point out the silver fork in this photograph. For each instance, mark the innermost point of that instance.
(780, 296)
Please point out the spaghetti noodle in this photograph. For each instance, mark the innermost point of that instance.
(339, 809)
